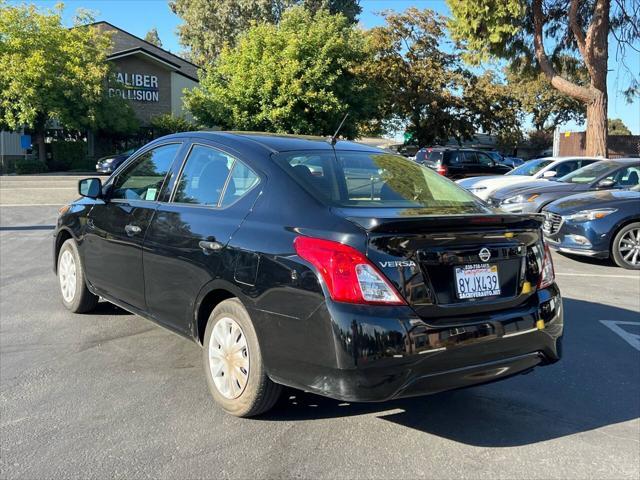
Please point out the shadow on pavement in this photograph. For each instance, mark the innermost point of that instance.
(596, 384)
(108, 308)
(27, 227)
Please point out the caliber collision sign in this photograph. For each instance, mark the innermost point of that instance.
(136, 86)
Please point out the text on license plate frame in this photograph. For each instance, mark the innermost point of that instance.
(477, 281)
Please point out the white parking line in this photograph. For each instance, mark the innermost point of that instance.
(596, 275)
(632, 339)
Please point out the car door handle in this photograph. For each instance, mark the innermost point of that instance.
(132, 230)
(208, 247)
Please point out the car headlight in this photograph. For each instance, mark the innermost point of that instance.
(520, 199)
(109, 160)
(587, 215)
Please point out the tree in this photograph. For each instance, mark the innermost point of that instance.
(617, 127)
(49, 72)
(524, 31)
(492, 107)
(209, 25)
(167, 123)
(300, 76)
(547, 106)
(421, 84)
(153, 37)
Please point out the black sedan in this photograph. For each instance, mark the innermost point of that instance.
(330, 267)
(597, 224)
(533, 196)
(110, 163)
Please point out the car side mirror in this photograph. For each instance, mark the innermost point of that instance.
(549, 174)
(90, 188)
(606, 183)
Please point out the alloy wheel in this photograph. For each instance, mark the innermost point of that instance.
(229, 358)
(67, 276)
(629, 247)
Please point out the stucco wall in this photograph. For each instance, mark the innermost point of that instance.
(137, 64)
(178, 84)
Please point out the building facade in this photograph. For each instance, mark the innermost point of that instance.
(150, 78)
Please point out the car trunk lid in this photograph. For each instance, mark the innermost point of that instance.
(426, 256)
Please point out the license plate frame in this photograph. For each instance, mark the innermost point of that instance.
(478, 280)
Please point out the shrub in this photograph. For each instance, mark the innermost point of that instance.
(30, 165)
(68, 155)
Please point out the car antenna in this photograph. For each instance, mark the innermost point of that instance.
(334, 138)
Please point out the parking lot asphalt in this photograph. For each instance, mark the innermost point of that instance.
(111, 395)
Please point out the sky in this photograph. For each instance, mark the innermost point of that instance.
(139, 16)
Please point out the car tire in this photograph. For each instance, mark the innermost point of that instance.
(231, 348)
(76, 297)
(625, 248)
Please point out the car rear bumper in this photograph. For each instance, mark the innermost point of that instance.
(380, 357)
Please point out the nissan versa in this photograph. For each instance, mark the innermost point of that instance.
(326, 266)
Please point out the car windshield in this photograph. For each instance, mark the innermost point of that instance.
(372, 179)
(531, 167)
(589, 173)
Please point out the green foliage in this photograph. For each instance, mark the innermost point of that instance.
(30, 165)
(168, 123)
(115, 116)
(427, 93)
(540, 140)
(48, 71)
(300, 76)
(153, 38)
(617, 127)
(68, 155)
(547, 106)
(494, 109)
(209, 25)
(488, 27)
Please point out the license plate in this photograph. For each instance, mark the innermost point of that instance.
(474, 281)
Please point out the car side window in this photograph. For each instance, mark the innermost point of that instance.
(626, 177)
(455, 158)
(242, 180)
(203, 177)
(484, 159)
(143, 179)
(470, 157)
(566, 168)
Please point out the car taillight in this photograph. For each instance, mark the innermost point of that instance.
(547, 274)
(350, 277)
(442, 169)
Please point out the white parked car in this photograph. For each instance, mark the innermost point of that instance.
(540, 168)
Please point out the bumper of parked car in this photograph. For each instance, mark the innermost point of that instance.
(583, 238)
(104, 167)
(389, 352)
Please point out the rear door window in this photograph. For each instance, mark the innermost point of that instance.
(484, 159)
(470, 158)
(242, 180)
(203, 177)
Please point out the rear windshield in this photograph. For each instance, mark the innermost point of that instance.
(371, 179)
(531, 167)
(589, 173)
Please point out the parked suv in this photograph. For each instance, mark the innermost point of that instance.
(339, 269)
(464, 163)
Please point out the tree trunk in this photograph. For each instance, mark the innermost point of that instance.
(597, 125)
(42, 154)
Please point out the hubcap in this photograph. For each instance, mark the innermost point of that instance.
(630, 247)
(229, 358)
(67, 276)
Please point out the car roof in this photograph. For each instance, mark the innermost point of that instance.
(275, 143)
